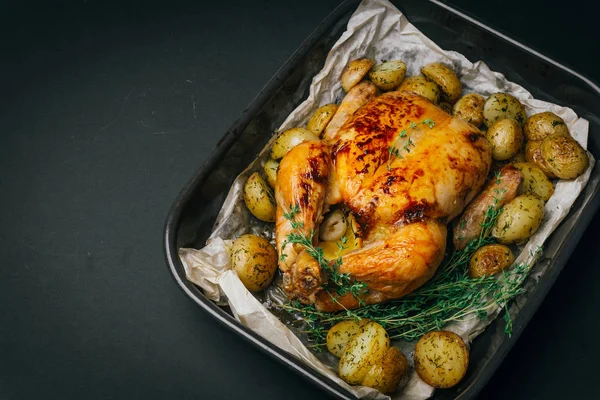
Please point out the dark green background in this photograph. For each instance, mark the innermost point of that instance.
(98, 135)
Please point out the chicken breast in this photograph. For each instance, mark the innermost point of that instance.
(404, 168)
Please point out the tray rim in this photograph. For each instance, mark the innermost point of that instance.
(172, 221)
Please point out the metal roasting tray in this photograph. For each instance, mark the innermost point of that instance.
(193, 213)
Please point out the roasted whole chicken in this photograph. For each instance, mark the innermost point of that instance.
(404, 168)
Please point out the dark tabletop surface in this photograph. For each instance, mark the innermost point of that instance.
(106, 109)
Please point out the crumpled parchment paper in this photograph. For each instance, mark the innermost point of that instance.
(378, 30)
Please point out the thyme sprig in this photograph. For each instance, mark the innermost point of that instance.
(395, 152)
(452, 295)
(339, 283)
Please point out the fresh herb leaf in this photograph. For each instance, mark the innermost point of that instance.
(394, 152)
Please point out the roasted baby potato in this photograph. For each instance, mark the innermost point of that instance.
(501, 106)
(534, 181)
(388, 372)
(541, 125)
(533, 155)
(470, 108)
(355, 71)
(421, 86)
(506, 138)
(340, 335)
(446, 79)
(319, 120)
(490, 259)
(333, 226)
(441, 359)
(519, 219)
(351, 240)
(563, 156)
(388, 75)
(270, 169)
(365, 349)
(259, 198)
(287, 140)
(254, 260)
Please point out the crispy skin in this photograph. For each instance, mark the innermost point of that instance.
(499, 191)
(392, 266)
(357, 97)
(301, 181)
(402, 203)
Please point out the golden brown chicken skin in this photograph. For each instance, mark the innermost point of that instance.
(404, 168)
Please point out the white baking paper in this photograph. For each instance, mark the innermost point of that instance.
(377, 30)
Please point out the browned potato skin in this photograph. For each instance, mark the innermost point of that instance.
(446, 79)
(364, 350)
(388, 372)
(506, 137)
(270, 170)
(421, 86)
(503, 105)
(540, 126)
(534, 181)
(289, 139)
(470, 108)
(519, 219)
(255, 261)
(563, 156)
(490, 259)
(425, 364)
(388, 75)
(340, 335)
(497, 193)
(319, 120)
(355, 71)
(533, 154)
(259, 198)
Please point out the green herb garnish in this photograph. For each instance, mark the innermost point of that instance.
(451, 295)
(338, 283)
(394, 151)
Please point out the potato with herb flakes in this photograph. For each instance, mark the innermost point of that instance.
(341, 333)
(386, 374)
(363, 351)
(490, 259)
(534, 181)
(289, 139)
(501, 106)
(354, 72)
(563, 156)
(506, 138)
(445, 79)
(254, 260)
(541, 125)
(259, 198)
(421, 86)
(270, 170)
(388, 75)
(319, 120)
(519, 219)
(441, 359)
(533, 155)
(470, 108)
